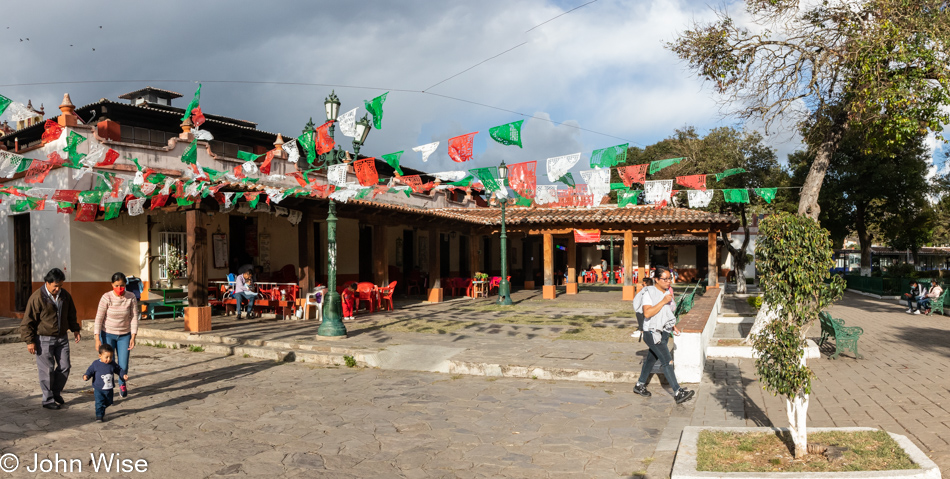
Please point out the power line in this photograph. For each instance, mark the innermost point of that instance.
(559, 16)
(475, 65)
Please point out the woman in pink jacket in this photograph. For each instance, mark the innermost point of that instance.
(117, 322)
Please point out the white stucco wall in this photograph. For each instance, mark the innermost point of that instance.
(686, 256)
(101, 248)
(49, 235)
(348, 246)
(6, 249)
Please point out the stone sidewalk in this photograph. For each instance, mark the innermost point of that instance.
(457, 336)
(195, 414)
(901, 385)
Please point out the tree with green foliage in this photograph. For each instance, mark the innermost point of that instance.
(874, 66)
(866, 192)
(795, 259)
(719, 150)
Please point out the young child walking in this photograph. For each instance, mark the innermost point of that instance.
(101, 371)
(349, 301)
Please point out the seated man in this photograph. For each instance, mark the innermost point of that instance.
(933, 295)
(244, 289)
(917, 293)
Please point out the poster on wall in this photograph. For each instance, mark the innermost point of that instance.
(219, 245)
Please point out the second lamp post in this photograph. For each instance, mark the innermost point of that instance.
(332, 325)
(504, 287)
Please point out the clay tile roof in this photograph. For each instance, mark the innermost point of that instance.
(133, 94)
(629, 215)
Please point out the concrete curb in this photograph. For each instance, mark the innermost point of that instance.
(685, 463)
(745, 352)
(872, 295)
(330, 355)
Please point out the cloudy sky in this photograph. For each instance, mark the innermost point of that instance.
(596, 77)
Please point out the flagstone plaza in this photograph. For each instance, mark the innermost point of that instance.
(201, 414)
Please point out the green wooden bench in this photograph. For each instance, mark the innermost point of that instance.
(165, 302)
(684, 305)
(936, 306)
(846, 337)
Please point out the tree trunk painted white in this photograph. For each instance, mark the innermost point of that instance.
(797, 410)
(765, 316)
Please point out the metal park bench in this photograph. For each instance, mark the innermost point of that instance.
(846, 337)
(936, 306)
(166, 302)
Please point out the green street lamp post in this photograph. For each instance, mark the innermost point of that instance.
(504, 288)
(332, 326)
(611, 279)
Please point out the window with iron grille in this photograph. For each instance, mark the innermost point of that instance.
(172, 262)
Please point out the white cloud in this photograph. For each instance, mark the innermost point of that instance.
(602, 68)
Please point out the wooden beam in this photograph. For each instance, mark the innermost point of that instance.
(435, 270)
(549, 291)
(628, 258)
(305, 254)
(473, 245)
(641, 257)
(713, 263)
(380, 256)
(196, 238)
(571, 284)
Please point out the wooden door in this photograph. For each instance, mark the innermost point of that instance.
(23, 260)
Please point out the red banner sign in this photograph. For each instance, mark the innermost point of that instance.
(587, 236)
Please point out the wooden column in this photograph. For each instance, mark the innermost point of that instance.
(435, 269)
(198, 312)
(629, 290)
(713, 263)
(548, 290)
(641, 257)
(306, 255)
(473, 245)
(527, 260)
(571, 284)
(380, 256)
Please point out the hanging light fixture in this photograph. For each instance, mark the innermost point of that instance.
(332, 104)
(362, 129)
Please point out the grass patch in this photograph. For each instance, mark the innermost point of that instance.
(768, 452)
(350, 361)
(196, 349)
(159, 345)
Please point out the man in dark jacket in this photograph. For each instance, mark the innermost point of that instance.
(50, 314)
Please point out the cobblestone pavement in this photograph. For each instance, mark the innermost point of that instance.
(901, 385)
(194, 414)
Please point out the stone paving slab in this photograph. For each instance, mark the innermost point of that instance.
(192, 414)
(901, 385)
(480, 347)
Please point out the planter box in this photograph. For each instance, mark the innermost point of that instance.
(685, 465)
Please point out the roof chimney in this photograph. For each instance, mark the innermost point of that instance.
(68, 117)
(278, 147)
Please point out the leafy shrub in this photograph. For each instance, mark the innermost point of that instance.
(755, 302)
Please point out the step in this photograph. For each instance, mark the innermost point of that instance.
(746, 352)
(9, 335)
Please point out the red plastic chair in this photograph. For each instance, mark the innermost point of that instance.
(494, 284)
(464, 284)
(386, 296)
(366, 292)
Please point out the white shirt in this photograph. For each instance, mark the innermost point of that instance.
(664, 319)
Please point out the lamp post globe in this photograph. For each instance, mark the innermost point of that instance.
(504, 287)
(332, 104)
